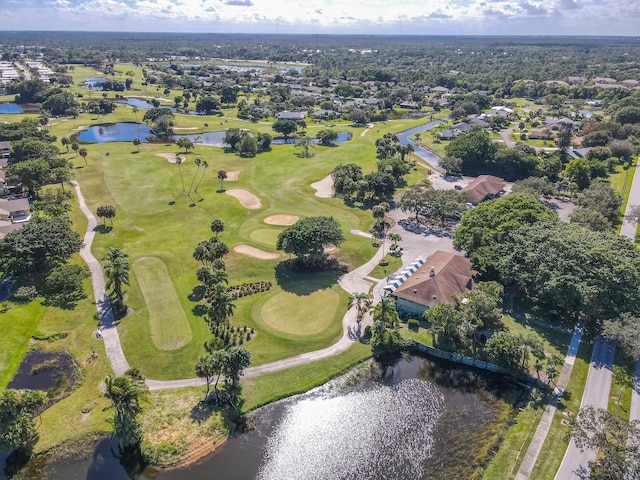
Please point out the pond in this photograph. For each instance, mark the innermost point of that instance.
(421, 152)
(93, 83)
(413, 419)
(116, 132)
(143, 104)
(11, 107)
(342, 137)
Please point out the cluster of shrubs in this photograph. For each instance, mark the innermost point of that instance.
(246, 289)
(231, 335)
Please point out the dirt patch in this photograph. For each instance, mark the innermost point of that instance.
(233, 175)
(171, 157)
(283, 220)
(247, 199)
(324, 188)
(255, 252)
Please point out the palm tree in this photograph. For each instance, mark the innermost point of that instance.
(204, 166)
(75, 147)
(201, 252)
(179, 162)
(65, 142)
(137, 142)
(116, 268)
(221, 305)
(222, 175)
(83, 153)
(385, 312)
(395, 238)
(198, 162)
(217, 226)
(362, 303)
(135, 112)
(127, 394)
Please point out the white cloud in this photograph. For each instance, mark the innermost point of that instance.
(333, 16)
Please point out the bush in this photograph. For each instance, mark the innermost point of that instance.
(413, 324)
(26, 293)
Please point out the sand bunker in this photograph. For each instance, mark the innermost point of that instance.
(186, 128)
(283, 220)
(171, 157)
(324, 188)
(233, 175)
(255, 252)
(247, 199)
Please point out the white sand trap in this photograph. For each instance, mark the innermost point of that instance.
(186, 128)
(80, 127)
(233, 175)
(171, 157)
(247, 199)
(255, 252)
(324, 188)
(361, 233)
(283, 220)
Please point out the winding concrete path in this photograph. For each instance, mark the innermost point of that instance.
(109, 332)
(352, 282)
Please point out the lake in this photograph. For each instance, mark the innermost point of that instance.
(116, 132)
(411, 419)
(421, 152)
(11, 107)
(342, 137)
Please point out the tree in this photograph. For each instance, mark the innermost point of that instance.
(578, 171)
(217, 226)
(163, 126)
(197, 162)
(624, 330)
(207, 105)
(31, 148)
(602, 198)
(622, 149)
(535, 186)
(229, 95)
(127, 394)
(236, 360)
(75, 147)
(590, 219)
(362, 302)
(308, 237)
(179, 161)
(475, 149)
(222, 175)
(210, 366)
(379, 212)
(327, 137)
(285, 127)
(395, 238)
(32, 174)
(504, 349)
(304, 144)
(64, 287)
(58, 104)
(137, 142)
(221, 306)
(345, 178)
(186, 143)
(232, 137)
(116, 268)
(358, 117)
(204, 170)
(40, 245)
(65, 142)
(451, 165)
(248, 146)
(17, 409)
(83, 153)
(385, 336)
(415, 199)
(381, 185)
(616, 440)
(106, 211)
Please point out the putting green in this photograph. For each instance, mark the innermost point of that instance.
(266, 236)
(300, 315)
(169, 326)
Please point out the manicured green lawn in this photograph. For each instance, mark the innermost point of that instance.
(393, 265)
(17, 324)
(621, 182)
(555, 342)
(170, 328)
(273, 386)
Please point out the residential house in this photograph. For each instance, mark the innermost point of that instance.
(287, 115)
(5, 149)
(442, 276)
(15, 210)
(410, 105)
(439, 90)
(483, 188)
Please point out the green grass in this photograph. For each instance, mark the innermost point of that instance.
(169, 326)
(274, 386)
(422, 335)
(393, 265)
(621, 386)
(506, 462)
(556, 443)
(621, 181)
(17, 323)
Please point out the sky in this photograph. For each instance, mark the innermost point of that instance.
(407, 17)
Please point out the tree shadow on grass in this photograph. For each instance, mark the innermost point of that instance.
(197, 293)
(302, 283)
(103, 229)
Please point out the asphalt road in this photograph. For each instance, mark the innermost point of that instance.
(596, 393)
